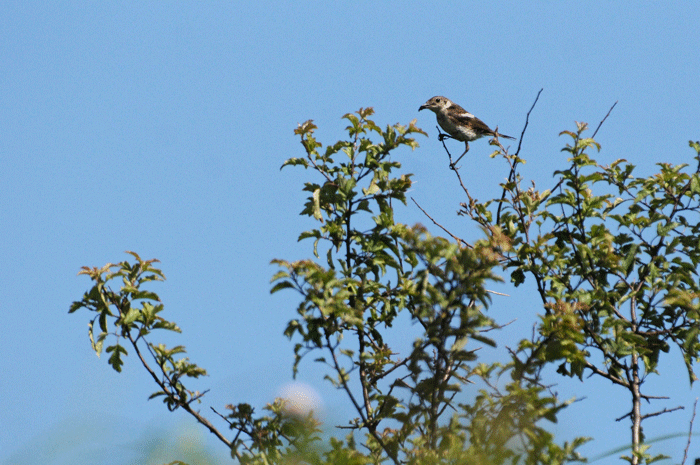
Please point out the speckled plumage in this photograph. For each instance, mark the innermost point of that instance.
(458, 122)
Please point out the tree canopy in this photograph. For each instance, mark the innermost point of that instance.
(612, 257)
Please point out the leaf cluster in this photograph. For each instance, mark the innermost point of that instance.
(131, 314)
(614, 259)
(376, 271)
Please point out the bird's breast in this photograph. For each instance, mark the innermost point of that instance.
(457, 131)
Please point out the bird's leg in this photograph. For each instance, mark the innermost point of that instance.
(443, 136)
(466, 149)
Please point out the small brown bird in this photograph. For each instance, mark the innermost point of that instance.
(458, 122)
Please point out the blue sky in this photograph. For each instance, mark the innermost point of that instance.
(160, 127)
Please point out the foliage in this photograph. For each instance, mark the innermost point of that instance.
(131, 314)
(614, 259)
(380, 271)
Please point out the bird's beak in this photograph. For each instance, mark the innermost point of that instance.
(422, 107)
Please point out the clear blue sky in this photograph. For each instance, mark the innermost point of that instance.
(160, 127)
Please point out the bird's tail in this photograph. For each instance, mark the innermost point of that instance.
(498, 134)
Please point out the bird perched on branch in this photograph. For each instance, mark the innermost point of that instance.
(458, 122)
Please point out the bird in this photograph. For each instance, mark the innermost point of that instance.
(458, 122)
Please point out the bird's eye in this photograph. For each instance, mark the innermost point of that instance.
(437, 100)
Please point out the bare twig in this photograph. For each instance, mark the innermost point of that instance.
(398, 364)
(454, 168)
(230, 423)
(460, 240)
(184, 405)
(511, 175)
(167, 382)
(661, 412)
(648, 398)
(603, 120)
(441, 137)
(497, 293)
(527, 121)
(371, 426)
(441, 226)
(498, 326)
(613, 378)
(690, 432)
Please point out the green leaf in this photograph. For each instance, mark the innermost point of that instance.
(372, 189)
(305, 128)
(317, 205)
(695, 145)
(115, 359)
(663, 229)
(517, 277)
(281, 285)
(628, 261)
(130, 317)
(295, 162)
(695, 184)
(96, 346)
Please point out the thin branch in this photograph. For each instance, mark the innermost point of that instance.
(494, 327)
(339, 370)
(648, 398)
(511, 175)
(170, 382)
(365, 421)
(527, 121)
(690, 432)
(441, 226)
(441, 137)
(603, 120)
(661, 412)
(184, 405)
(380, 409)
(396, 365)
(230, 423)
(608, 376)
(497, 293)
(448, 403)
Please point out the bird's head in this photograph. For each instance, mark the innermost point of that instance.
(436, 104)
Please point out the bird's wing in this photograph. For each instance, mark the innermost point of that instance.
(477, 124)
